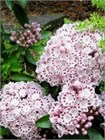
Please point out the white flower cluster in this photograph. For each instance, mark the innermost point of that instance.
(75, 109)
(22, 104)
(71, 55)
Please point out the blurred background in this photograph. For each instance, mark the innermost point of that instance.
(72, 9)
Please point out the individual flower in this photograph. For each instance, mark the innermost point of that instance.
(21, 105)
(75, 109)
(71, 55)
(29, 36)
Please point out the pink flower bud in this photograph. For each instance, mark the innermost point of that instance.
(84, 132)
(88, 125)
(90, 118)
(77, 125)
(96, 113)
(83, 121)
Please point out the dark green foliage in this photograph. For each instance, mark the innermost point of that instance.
(44, 122)
(23, 3)
(9, 4)
(4, 131)
(102, 86)
(20, 14)
(94, 134)
(29, 56)
(21, 77)
(17, 7)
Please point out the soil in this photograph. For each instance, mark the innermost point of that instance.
(73, 9)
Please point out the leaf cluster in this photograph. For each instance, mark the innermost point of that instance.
(18, 63)
(99, 4)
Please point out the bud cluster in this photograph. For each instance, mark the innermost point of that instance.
(29, 36)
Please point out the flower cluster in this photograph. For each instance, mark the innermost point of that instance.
(22, 104)
(75, 109)
(29, 36)
(71, 55)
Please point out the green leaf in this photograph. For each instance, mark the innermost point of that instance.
(99, 4)
(9, 4)
(9, 47)
(44, 122)
(21, 77)
(67, 21)
(94, 134)
(20, 14)
(45, 86)
(16, 67)
(45, 34)
(4, 131)
(23, 3)
(102, 86)
(38, 50)
(29, 57)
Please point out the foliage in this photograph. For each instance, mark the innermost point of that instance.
(20, 14)
(18, 63)
(102, 86)
(23, 3)
(94, 134)
(95, 22)
(17, 7)
(102, 44)
(99, 4)
(4, 131)
(10, 3)
(44, 122)
(67, 21)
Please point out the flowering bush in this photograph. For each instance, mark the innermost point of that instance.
(69, 101)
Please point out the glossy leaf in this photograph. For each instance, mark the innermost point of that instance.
(9, 4)
(21, 77)
(94, 134)
(23, 3)
(44, 122)
(20, 14)
(4, 131)
(29, 57)
(45, 34)
(16, 67)
(9, 47)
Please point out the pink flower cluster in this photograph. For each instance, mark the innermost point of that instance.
(75, 109)
(71, 55)
(29, 36)
(22, 104)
